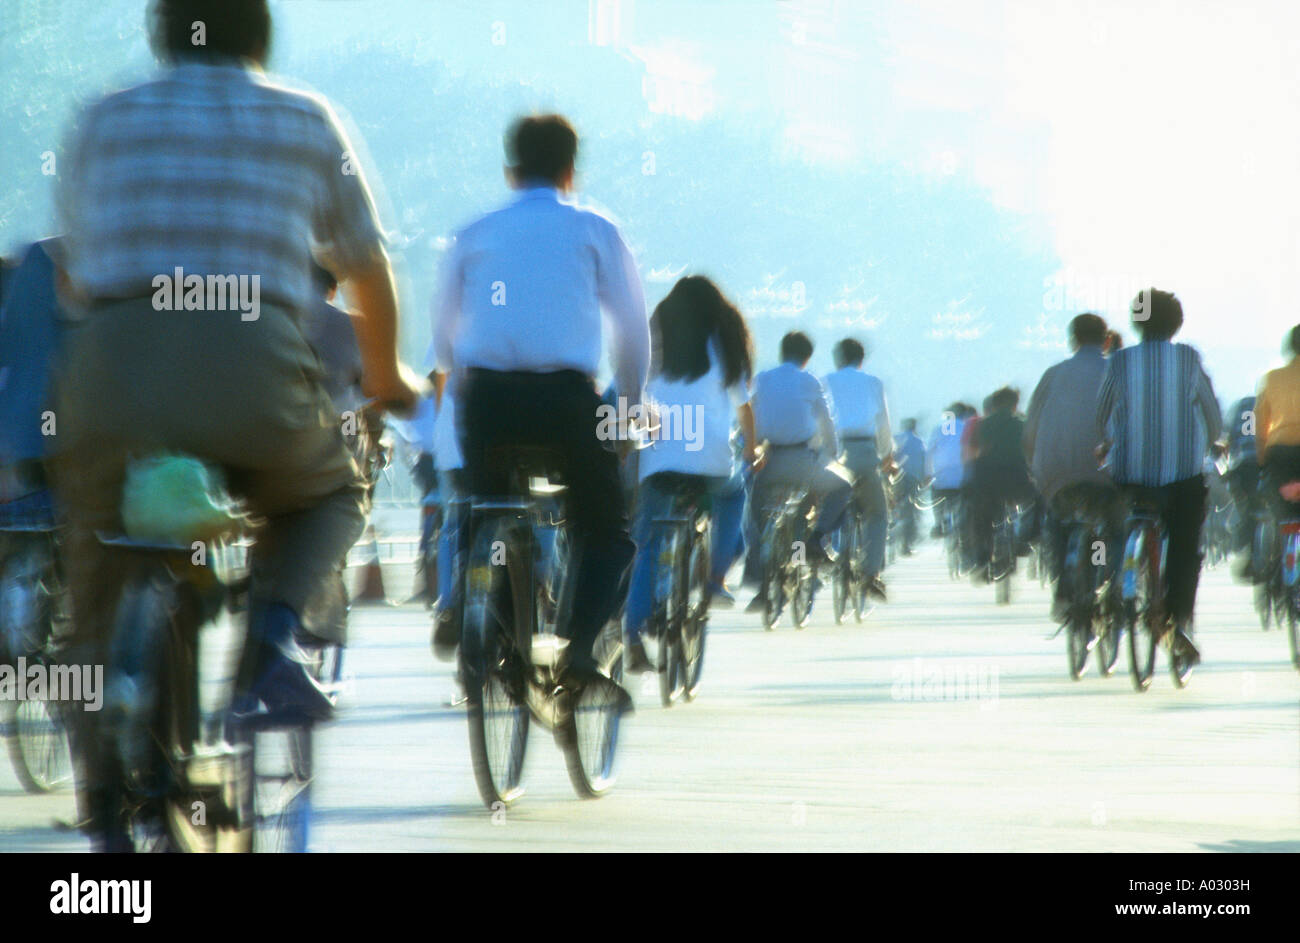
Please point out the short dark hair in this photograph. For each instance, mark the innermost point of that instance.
(1157, 315)
(1008, 397)
(1293, 340)
(797, 347)
(231, 28)
(541, 147)
(1088, 328)
(849, 353)
(909, 425)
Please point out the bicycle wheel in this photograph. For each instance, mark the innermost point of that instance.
(858, 571)
(590, 735)
(1264, 605)
(38, 745)
(695, 628)
(1109, 628)
(492, 670)
(773, 586)
(842, 577)
(1293, 625)
(1142, 631)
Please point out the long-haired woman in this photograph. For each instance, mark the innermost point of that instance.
(699, 390)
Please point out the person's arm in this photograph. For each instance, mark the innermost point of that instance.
(1208, 403)
(825, 424)
(1107, 397)
(1263, 417)
(350, 243)
(745, 416)
(1032, 417)
(623, 299)
(446, 313)
(372, 288)
(884, 429)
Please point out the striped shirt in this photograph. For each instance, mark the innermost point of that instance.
(1150, 400)
(213, 169)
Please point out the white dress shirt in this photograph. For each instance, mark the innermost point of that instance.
(790, 408)
(859, 407)
(523, 287)
(695, 423)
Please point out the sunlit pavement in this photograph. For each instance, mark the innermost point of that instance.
(943, 722)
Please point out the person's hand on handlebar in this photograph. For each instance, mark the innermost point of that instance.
(394, 390)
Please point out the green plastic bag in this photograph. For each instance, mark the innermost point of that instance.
(175, 499)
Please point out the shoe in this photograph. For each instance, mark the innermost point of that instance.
(1060, 610)
(757, 604)
(579, 676)
(284, 682)
(876, 588)
(1187, 648)
(721, 597)
(635, 660)
(446, 634)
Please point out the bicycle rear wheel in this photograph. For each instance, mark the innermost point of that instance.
(492, 670)
(773, 562)
(590, 735)
(1180, 666)
(38, 745)
(695, 626)
(1143, 633)
(842, 579)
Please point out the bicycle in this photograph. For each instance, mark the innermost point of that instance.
(1146, 548)
(1002, 555)
(1278, 555)
(33, 611)
(1093, 621)
(196, 776)
(510, 656)
(787, 574)
(678, 624)
(950, 525)
(848, 574)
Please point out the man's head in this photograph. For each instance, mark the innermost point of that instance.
(796, 348)
(849, 353)
(909, 425)
(210, 29)
(1157, 315)
(541, 149)
(1293, 341)
(1005, 399)
(1087, 330)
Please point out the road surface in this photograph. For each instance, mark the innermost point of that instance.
(942, 723)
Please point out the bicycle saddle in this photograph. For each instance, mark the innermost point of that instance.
(681, 484)
(532, 469)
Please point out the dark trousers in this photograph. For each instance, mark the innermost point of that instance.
(1183, 513)
(556, 412)
(991, 488)
(1243, 484)
(1282, 464)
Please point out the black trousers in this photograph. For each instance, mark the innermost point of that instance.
(556, 412)
(1183, 511)
(1100, 502)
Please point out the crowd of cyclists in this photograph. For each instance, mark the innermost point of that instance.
(247, 182)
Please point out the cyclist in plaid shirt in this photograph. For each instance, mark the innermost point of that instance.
(212, 170)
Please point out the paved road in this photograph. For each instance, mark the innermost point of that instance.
(943, 722)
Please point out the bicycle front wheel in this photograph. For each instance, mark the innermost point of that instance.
(492, 673)
(1293, 625)
(1142, 631)
(590, 735)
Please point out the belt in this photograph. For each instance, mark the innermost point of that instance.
(857, 438)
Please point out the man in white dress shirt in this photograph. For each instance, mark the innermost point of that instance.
(518, 328)
(862, 423)
(792, 417)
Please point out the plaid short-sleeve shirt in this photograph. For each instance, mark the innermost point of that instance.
(213, 169)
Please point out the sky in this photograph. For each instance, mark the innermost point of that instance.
(1079, 150)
